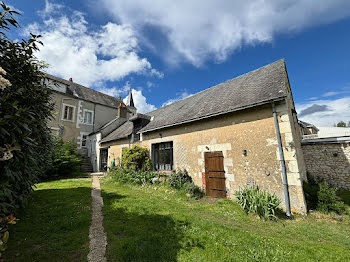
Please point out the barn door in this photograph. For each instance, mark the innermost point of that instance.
(215, 174)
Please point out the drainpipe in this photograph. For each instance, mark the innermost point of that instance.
(283, 163)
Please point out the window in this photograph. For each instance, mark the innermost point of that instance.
(88, 117)
(83, 140)
(68, 112)
(162, 156)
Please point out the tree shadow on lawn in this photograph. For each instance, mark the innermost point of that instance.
(53, 226)
(143, 236)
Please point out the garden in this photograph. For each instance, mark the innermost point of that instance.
(45, 207)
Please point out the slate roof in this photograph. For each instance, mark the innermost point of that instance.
(86, 93)
(121, 132)
(306, 124)
(257, 87)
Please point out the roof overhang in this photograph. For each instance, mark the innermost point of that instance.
(215, 114)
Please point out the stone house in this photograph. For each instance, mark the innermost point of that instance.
(328, 159)
(79, 111)
(237, 133)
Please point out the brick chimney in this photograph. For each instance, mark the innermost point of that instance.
(122, 110)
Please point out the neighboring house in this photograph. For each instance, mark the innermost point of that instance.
(328, 159)
(241, 132)
(308, 130)
(333, 131)
(79, 110)
(98, 155)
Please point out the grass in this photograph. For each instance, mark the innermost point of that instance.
(158, 224)
(54, 226)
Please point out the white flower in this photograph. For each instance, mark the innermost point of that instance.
(3, 81)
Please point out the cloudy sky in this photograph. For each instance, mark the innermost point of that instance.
(167, 50)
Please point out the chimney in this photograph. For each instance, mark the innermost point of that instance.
(122, 110)
(71, 79)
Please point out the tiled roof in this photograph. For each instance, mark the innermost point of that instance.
(260, 86)
(87, 94)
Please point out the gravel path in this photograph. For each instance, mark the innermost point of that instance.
(98, 239)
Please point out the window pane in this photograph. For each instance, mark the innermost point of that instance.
(65, 115)
(70, 115)
(88, 117)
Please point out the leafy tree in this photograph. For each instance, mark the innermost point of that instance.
(341, 124)
(25, 109)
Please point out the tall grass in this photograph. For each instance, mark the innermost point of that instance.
(261, 202)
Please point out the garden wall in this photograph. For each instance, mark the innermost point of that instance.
(328, 160)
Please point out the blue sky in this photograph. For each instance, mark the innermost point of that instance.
(167, 50)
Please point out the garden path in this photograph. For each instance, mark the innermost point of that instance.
(97, 235)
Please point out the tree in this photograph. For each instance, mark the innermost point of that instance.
(25, 108)
(341, 124)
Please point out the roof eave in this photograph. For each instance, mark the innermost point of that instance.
(216, 114)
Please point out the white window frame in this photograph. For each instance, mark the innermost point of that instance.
(92, 117)
(63, 108)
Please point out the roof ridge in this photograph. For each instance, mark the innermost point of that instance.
(67, 82)
(280, 60)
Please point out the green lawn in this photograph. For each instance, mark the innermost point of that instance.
(144, 224)
(54, 226)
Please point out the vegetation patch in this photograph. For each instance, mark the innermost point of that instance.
(64, 160)
(54, 226)
(323, 198)
(155, 224)
(261, 202)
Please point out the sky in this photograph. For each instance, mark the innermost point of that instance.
(167, 50)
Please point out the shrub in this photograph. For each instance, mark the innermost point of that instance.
(328, 201)
(260, 202)
(182, 181)
(133, 177)
(178, 179)
(25, 108)
(65, 159)
(322, 197)
(136, 158)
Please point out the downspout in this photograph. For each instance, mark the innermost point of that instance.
(283, 163)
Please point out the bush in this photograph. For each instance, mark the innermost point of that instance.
(65, 159)
(25, 108)
(260, 202)
(178, 179)
(328, 201)
(322, 197)
(182, 181)
(133, 177)
(136, 158)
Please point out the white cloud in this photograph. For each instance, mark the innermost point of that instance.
(198, 30)
(90, 57)
(179, 97)
(334, 93)
(140, 102)
(334, 111)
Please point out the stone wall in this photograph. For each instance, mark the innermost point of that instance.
(329, 162)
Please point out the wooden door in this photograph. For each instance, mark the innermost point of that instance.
(215, 174)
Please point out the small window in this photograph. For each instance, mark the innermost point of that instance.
(68, 113)
(83, 141)
(88, 117)
(162, 155)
